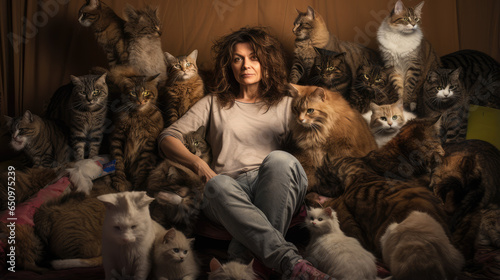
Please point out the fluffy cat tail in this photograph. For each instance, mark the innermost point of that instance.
(72, 263)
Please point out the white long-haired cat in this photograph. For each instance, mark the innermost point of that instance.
(334, 253)
(418, 248)
(385, 121)
(231, 270)
(173, 257)
(128, 233)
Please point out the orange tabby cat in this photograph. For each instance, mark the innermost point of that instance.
(326, 124)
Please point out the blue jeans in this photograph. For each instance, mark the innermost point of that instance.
(257, 207)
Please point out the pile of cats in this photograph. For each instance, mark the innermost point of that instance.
(380, 135)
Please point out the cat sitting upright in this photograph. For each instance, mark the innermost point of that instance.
(128, 234)
(333, 252)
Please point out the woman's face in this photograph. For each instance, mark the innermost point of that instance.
(245, 65)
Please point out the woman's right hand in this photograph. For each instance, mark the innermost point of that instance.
(203, 170)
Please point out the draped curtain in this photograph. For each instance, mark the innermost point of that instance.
(42, 42)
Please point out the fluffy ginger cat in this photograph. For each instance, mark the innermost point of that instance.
(333, 252)
(128, 234)
(231, 270)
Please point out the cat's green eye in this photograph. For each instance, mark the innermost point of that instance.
(310, 111)
(177, 66)
(383, 118)
(394, 117)
(146, 93)
(366, 77)
(188, 64)
(406, 19)
(439, 88)
(196, 143)
(96, 93)
(331, 68)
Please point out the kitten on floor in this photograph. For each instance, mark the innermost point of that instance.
(231, 270)
(173, 256)
(128, 234)
(385, 121)
(418, 248)
(334, 253)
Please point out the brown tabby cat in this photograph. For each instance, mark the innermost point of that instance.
(311, 31)
(368, 202)
(43, 141)
(325, 124)
(184, 86)
(108, 30)
(467, 182)
(403, 47)
(330, 71)
(138, 124)
(371, 85)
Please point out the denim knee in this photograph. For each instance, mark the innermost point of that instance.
(218, 188)
(284, 164)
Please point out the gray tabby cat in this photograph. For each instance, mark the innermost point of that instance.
(144, 44)
(232, 270)
(311, 31)
(83, 111)
(404, 47)
(173, 256)
(41, 140)
(445, 95)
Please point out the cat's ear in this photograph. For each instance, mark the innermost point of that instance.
(193, 55)
(93, 3)
(341, 56)
(170, 58)
(102, 79)
(432, 76)
(373, 106)
(153, 10)
(418, 9)
(129, 13)
(319, 93)
(317, 50)
(141, 199)
(201, 131)
(399, 7)
(173, 173)
(310, 13)
(328, 211)
(293, 89)
(455, 74)
(214, 264)
(110, 200)
(399, 104)
(151, 78)
(190, 241)
(250, 267)
(75, 80)
(28, 115)
(169, 235)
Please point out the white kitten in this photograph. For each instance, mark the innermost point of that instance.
(334, 253)
(128, 233)
(231, 270)
(173, 256)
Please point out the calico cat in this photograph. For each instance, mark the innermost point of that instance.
(385, 121)
(179, 191)
(143, 30)
(232, 270)
(408, 247)
(108, 29)
(371, 85)
(325, 124)
(43, 141)
(331, 72)
(445, 96)
(138, 124)
(83, 111)
(368, 202)
(480, 76)
(173, 256)
(467, 182)
(128, 234)
(331, 251)
(27, 183)
(184, 86)
(311, 31)
(404, 48)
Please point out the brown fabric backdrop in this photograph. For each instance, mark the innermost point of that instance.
(42, 42)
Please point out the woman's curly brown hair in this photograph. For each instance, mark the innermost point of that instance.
(272, 62)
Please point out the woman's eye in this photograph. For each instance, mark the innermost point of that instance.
(310, 111)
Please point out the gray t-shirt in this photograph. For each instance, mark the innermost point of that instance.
(241, 136)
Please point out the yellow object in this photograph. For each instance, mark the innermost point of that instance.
(484, 124)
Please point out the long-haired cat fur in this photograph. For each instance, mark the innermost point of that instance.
(231, 270)
(179, 191)
(371, 85)
(311, 31)
(404, 48)
(137, 125)
(324, 123)
(184, 86)
(418, 248)
(42, 140)
(174, 257)
(108, 29)
(385, 121)
(128, 234)
(334, 253)
(330, 71)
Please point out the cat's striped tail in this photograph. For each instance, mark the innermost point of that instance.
(72, 263)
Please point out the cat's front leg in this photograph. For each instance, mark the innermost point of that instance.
(297, 71)
(78, 144)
